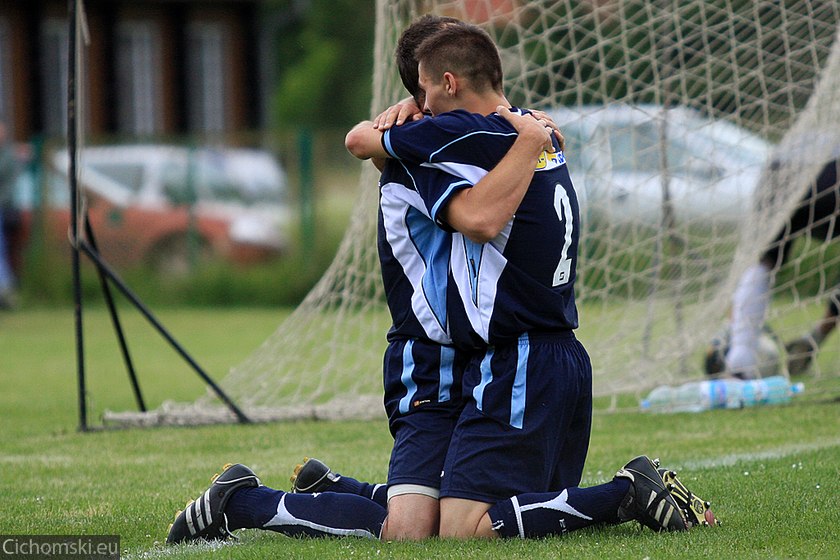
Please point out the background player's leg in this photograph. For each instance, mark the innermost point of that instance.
(801, 351)
(828, 321)
(749, 308)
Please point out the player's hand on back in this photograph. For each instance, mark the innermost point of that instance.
(530, 128)
(402, 112)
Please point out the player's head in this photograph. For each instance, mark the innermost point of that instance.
(465, 52)
(411, 37)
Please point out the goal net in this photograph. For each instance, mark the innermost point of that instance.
(693, 127)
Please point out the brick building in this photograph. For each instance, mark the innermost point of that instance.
(153, 67)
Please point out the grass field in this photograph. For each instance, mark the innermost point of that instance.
(772, 473)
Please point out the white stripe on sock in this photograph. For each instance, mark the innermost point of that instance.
(560, 503)
(518, 512)
(284, 517)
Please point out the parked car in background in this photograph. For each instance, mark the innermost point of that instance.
(166, 206)
(709, 168)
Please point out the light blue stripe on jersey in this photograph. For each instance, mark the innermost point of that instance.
(407, 381)
(445, 196)
(447, 359)
(421, 249)
(518, 392)
(433, 246)
(386, 142)
(473, 251)
(486, 378)
(487, 132)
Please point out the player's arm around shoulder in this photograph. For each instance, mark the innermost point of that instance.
(482, 212)
(365, 142)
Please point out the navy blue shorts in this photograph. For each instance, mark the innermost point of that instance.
(423, 382)
(526, 421)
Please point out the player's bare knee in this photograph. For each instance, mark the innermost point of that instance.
(404, 529)
(411, 517)
(462, 519)
(454, 527)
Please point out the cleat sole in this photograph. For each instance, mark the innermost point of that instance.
(697, 511)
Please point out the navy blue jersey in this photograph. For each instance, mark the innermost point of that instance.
(414, 254)
(523, 280)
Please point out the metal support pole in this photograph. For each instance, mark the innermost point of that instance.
(115, 321)
(112, 276)
(72, 131)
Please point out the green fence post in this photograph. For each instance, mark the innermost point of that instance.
(307, 209)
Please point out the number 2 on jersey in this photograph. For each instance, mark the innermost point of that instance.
(563, 207)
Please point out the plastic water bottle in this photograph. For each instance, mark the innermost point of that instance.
(697, 396)
(769, 390)
(694, 396)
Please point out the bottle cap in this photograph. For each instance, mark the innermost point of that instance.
(797, 388)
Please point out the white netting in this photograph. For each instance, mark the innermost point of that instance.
(666, 232)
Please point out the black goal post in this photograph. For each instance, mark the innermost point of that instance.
(83, 241)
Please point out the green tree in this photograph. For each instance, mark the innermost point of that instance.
(325, 60)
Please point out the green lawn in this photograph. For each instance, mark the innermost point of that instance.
(772, 473)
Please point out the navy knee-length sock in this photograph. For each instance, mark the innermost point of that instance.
(555, 513)
(376, 492)
(323, 514)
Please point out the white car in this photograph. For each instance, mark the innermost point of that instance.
(159, 205)
(708, 171)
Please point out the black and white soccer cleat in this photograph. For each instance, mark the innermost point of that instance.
(312, 476)
(648, 500)
(697, 511)
(204, 518)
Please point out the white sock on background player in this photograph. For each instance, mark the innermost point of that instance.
(749, 308)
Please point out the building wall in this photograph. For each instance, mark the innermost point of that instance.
(152, 68)
(16, 70)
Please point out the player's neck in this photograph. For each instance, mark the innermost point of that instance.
(484, 103)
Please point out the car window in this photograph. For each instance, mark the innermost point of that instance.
(228, 177)
(748, 149)
(210, 171)
(258, 177)
(179, 186)
(128, 174)
(636, 149)
(698, 146)
(692, 154)
(633, 147)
